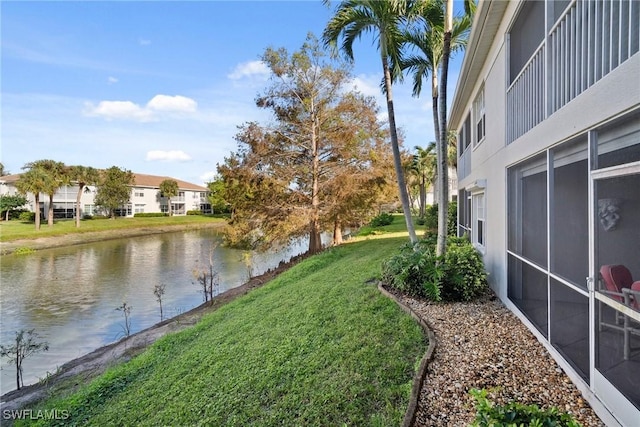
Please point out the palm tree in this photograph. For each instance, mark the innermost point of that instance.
(56, 176)
(438, 37)
(169, 189)
(424, 167)
(428, 40)
(385, 19)
(33, 181)
(84, 176)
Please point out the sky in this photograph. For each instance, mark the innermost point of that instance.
(159, 87)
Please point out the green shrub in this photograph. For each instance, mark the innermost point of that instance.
(431, 218)
(27, 216)
(464, 275)
(421, 221)
(452, 219)
(381, 220)
(516, 414)
(416, 271)
(149, 214)
(195, 212)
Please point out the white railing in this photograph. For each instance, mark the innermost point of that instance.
(525, 97)
(590, 40)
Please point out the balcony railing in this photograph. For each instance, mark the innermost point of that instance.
(587, 42)
(525, 97)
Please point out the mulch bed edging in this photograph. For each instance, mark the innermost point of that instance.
(418, 380)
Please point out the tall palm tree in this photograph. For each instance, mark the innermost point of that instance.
(427, 39)
(384, 19)
(84, 176)
(33, 181)
(435, 40)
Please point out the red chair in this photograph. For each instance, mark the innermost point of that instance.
(616, 278)
(619, 285)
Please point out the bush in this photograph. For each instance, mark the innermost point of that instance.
(27, 216)
(516, 414)
(381, 220)
(195, 212)
(416, 271)
(149, 214)
(464, 275)
(431, 218)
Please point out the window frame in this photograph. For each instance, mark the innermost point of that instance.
(479, 119)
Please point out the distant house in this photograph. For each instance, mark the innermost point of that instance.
(548, 112)
(145, 197)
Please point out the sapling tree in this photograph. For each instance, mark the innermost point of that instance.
(126, 311)
(26, 343)
(208, 278)
(247, 260)
(158, 291)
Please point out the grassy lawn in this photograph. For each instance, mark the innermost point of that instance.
(15, 229)
(396, 228)
(319, 345)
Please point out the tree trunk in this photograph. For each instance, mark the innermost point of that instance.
(50, 214)
(169, 206)
(397, 161)
(78, 197)
(337, 233)
(315, 242)
(37, 203)
(442, 152)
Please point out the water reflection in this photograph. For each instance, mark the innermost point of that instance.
(69, 295)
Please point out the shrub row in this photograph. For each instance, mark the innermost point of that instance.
(149, 214)
(195, 212)
(457, 276)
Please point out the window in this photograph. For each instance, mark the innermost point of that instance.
(478, 114)
(139, 208)
(478, 229)
(138, 193)
(526, 34)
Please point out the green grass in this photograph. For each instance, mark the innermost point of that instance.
(319, 345)
(397, 226)
(15, 229)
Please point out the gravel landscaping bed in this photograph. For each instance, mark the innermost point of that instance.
(483, 345)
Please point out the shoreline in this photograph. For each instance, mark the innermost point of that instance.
(73, 239)
(83, 369)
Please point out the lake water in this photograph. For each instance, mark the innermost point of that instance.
(70, 295)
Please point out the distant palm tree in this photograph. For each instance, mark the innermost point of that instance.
(33, 181)
(424, 168)
(84, 176)
(384, 19)
(169, 189)
(56, 176)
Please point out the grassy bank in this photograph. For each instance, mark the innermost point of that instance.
(318, 345)
(15, 230)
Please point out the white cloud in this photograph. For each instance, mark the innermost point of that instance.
(118, 110)
(112, 80)
(367, 85)
(249, 69)
(158, 106)
(144, 42)
(167, 156)
(172, 103)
